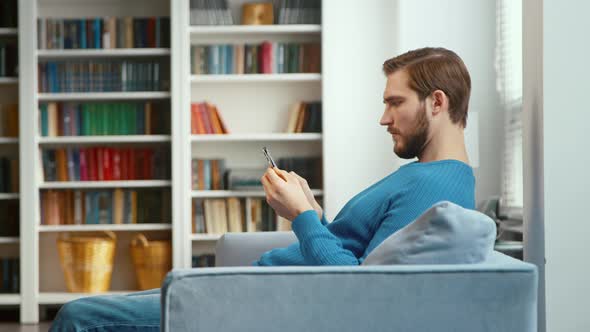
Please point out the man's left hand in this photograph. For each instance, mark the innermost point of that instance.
(284, 193)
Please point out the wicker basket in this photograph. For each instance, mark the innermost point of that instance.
(152, 261)
(87, 261)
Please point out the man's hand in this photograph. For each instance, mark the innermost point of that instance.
(309, 195)
(284, 193)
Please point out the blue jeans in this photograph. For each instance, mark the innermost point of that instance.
(139, 311)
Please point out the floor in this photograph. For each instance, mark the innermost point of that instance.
(16, 327)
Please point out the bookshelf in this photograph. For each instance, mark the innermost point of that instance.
(237, 97)
(10, 202)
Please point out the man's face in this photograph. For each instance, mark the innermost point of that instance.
(404, 116)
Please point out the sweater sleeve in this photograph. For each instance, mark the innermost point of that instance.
(317, 244)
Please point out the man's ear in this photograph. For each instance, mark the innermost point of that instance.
(440, 102)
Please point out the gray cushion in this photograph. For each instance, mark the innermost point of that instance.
(444, 234)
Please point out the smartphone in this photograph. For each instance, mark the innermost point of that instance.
(271, 162)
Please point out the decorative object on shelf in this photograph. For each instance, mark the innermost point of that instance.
(257, 13)
(152, 261)
(210, 12)
(87, 261)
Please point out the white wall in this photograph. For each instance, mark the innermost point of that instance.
(468, 28)
(566, 121)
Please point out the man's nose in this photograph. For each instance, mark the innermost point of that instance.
(385, 119)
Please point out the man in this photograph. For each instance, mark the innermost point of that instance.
(426, 100)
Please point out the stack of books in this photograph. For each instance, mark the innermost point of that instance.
(8, 120)
(305, 118)
(208, 174)
(118, 206)
(210, 12)
(218, 216)
(205, 260)
(263, 58)
(8, 58)
(105, 164)
(10, 272)
(103, 33)
(9, 175)
(300, 12)
(10, 212)
(309, 168)
(101, 76)
(88, 119)
(206, 119)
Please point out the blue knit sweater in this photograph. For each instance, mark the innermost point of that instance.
(374, 214)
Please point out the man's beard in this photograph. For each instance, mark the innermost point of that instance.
(415, 142)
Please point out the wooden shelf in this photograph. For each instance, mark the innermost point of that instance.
(64, 297)
(104, 227)
(99, 53)
(204, 30)
(256, 78)
(105, 139)
(105, 184)
(237, 193)
(65, 96)
(8, 80)
(10, 299)
(9, 239)
(6, 196)
(272, 137)
(8, 31)
(205, 237)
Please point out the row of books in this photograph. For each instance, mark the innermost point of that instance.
(10, 212)
(205, 260)
(10, 272)
(305, 118)
(206, 119)
(86, 119)
(9, 175)
(8, 58)
(118, 206)
(9, 120)
(300, 12)
(264, 58)
(105, 164)
(101, 76)
(8, 13)
(210, 12)
(309, 168)
(222, 215)
(208, 174)
(103, 32)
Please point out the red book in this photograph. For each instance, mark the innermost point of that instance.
(132, 174)
(106, 164)
(266, 58)
(194, 126)
(204, 117)
(124, 164)
(91, 164)
(151, 31)
(83, 165)
(99, 164)
(116, 164)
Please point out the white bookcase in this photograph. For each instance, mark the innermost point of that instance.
(254, 107)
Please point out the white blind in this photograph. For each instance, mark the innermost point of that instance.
(509, 86)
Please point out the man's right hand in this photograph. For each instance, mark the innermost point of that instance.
(309, 195)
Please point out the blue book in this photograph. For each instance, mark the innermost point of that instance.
(5, 275)
(15, 275)
(229, 59)
(97, 32)
(44, 120)
(82, 33)
(207, 174)
(222, 59)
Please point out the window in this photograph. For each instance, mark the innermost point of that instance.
(509, 86)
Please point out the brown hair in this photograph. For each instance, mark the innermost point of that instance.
(431, 69)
